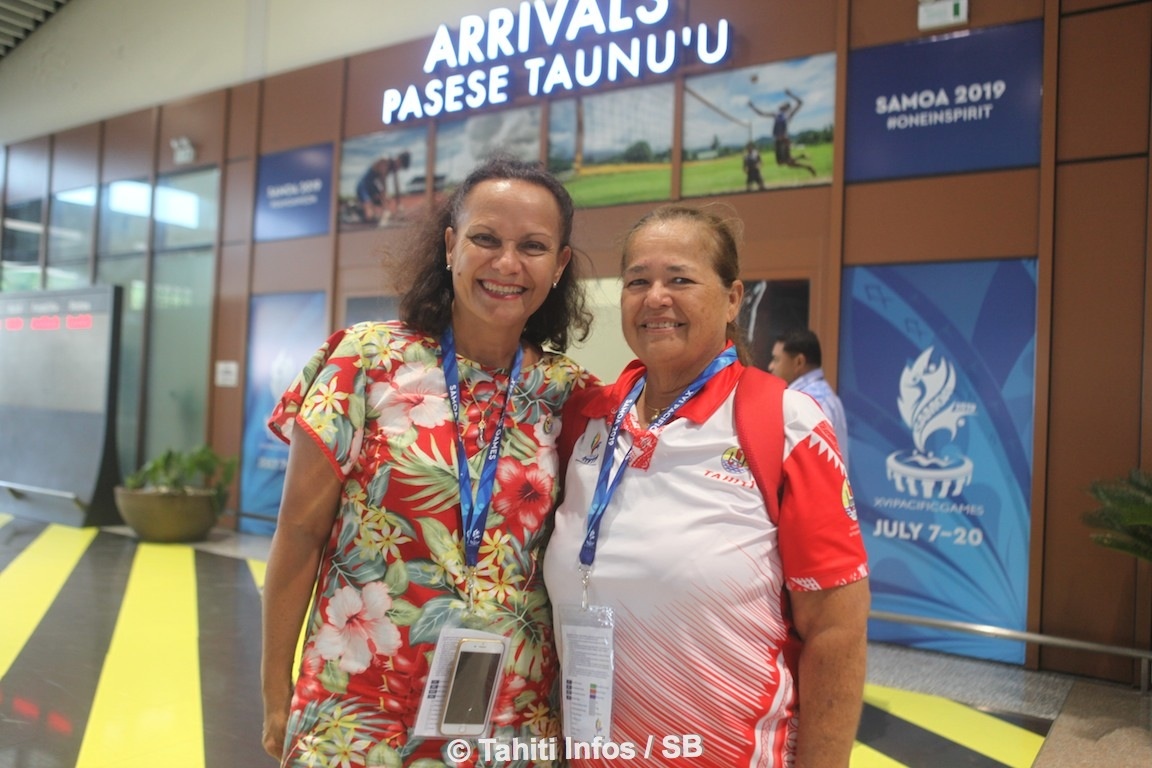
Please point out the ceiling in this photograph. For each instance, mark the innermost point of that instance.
(20, 18)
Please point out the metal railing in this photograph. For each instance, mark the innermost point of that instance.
(1145, 657)
(18, 490)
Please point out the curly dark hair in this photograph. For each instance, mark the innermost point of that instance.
(724, 232)
(427, 304)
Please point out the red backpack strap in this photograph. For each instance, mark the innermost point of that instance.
(760, 431)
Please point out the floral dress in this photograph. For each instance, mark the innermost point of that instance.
(374, 397)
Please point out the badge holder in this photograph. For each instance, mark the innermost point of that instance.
(586, 636)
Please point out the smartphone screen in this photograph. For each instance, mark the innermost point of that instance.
(466, 710)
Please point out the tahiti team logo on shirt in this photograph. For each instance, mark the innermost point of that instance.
(733, 468)
(848, 499)
(733, 460)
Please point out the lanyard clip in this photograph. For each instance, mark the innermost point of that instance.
(585, 575)
(470, 585)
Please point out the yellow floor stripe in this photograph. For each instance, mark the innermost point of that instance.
(986, 734)
(5, 518)
(31, 582)
(258, 568)
(864, 756)
(147, 709)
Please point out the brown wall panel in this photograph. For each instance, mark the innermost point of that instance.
(596, 233)
(369, 248)
(784, 230)
(305, 264)
(29, 165)
(129, 146)
(239, 202)
(1073, 6)
(201, 119)
(1103, 100)
(76, 158)
(972, 216)
(302, 107)
(230, 340)
(370, 74)
(365, 270)
(878, 22)
(243, 120)
(1094, 424)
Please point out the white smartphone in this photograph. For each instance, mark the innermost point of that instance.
(472, 687)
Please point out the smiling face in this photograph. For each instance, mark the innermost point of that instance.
(505, 252)
(674, 307)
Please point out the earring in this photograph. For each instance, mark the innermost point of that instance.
(555, 283)
(448, 266)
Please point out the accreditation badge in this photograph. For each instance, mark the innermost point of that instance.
(587, 665)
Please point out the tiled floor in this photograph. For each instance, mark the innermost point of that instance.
(119, 654)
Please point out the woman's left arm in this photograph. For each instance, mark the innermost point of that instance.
(833, 627)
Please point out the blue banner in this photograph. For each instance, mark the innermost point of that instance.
(294, 194)
(937, 373)
(969, 101)
(284, 331)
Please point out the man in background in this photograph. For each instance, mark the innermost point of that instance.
(796, 358)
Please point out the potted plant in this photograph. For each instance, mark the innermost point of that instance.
(1123, 521)
(177, 496)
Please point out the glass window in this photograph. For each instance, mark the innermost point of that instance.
(20, 247)
(125, 207)
(180, 350)
(71, 226)
(187, 210)
(73, 275)
(127, 272)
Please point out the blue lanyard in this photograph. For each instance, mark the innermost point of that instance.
(606, 482)
(474, 510)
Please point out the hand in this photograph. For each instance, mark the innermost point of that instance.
(275, 727)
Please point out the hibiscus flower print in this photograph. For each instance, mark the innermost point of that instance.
(416, 395)
(357, 626)
(504, 708)
(525, 493)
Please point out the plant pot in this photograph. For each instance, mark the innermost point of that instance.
(168, 517)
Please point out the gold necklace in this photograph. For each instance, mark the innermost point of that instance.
(484, 411)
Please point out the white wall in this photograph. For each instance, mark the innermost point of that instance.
(605, 352)
(102, 58)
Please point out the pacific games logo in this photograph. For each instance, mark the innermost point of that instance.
(935, 468)
(592, 456)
